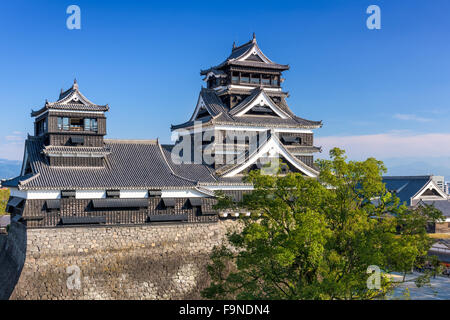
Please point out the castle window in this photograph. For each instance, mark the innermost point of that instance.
(154, 193)
(265, 80)
(275, 81)
(53, 205)
(90, 124)
(112, 193)
(255, 79)
(63, 123)
(76, 124)
(66, 125)
(68, 194)
(235, 77)
(245, 78)
(291, 140)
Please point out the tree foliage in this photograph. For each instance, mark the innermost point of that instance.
(4, 196)
(315, 238)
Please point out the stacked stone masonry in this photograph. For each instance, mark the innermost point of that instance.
(128, 262)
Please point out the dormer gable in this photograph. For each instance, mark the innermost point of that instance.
(272, 148)
(258, 103)
(253, 53)
(430, 191)
(73, 100)
(201, 110)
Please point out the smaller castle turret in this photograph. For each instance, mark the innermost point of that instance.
(72, 130)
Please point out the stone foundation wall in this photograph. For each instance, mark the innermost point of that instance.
(120, 262)
(12, 257)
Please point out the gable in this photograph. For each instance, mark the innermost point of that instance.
(254, 54)
(75, 100)
(254, 57)
(262, 104)
(73, 96)
(430, 191)
(261, 111)
(272, 149)
(201, 110)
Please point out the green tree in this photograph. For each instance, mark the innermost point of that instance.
(315, 238)
(4, 196)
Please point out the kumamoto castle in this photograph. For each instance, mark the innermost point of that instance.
(71, 175)
(135, 219)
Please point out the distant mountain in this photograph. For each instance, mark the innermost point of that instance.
(9, 168)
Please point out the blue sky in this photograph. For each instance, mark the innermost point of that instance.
(382, 93)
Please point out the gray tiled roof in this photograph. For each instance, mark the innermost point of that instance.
(193, 172)
(405, 187)
(306, 149)
(443, 205)
(70, 107)
(132, 164)
(129, 166)
(14, 182)
(221, 114)
(78, 149)
(216, 72)
(240, 51)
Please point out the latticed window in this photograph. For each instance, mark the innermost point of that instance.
(63, 123)
(275, 81)
(255, 78)
(235, 77)
(90, 124)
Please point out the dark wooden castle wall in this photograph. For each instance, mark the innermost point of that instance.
(64, 140)
(53, 121)
(308, 160)
(37, 215)
(307, 139)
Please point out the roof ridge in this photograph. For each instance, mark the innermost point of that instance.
(23, 182)
(132, 141)
(408, 177)
(170, 167)
(242, 45)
